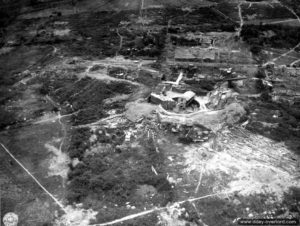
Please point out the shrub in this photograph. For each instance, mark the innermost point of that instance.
(6, 118)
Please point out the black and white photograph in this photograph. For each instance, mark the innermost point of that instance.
(149, 112)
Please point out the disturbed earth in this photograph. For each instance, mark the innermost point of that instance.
(148, 113)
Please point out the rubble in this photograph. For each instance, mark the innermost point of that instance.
(149, 113)
(135, 111)
(213, 120)
(219, 107)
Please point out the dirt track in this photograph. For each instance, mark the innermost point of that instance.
(88, 137)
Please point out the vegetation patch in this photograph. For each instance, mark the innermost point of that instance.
(84, 96)
(276, 36)
(115, 172)
(267, 12)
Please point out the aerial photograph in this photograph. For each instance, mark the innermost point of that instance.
(149, 112)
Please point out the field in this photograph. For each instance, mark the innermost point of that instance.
(82, 144)
(264, 12)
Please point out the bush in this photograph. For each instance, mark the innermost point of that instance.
(256, 49)
(6, 118)
(79, 143)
